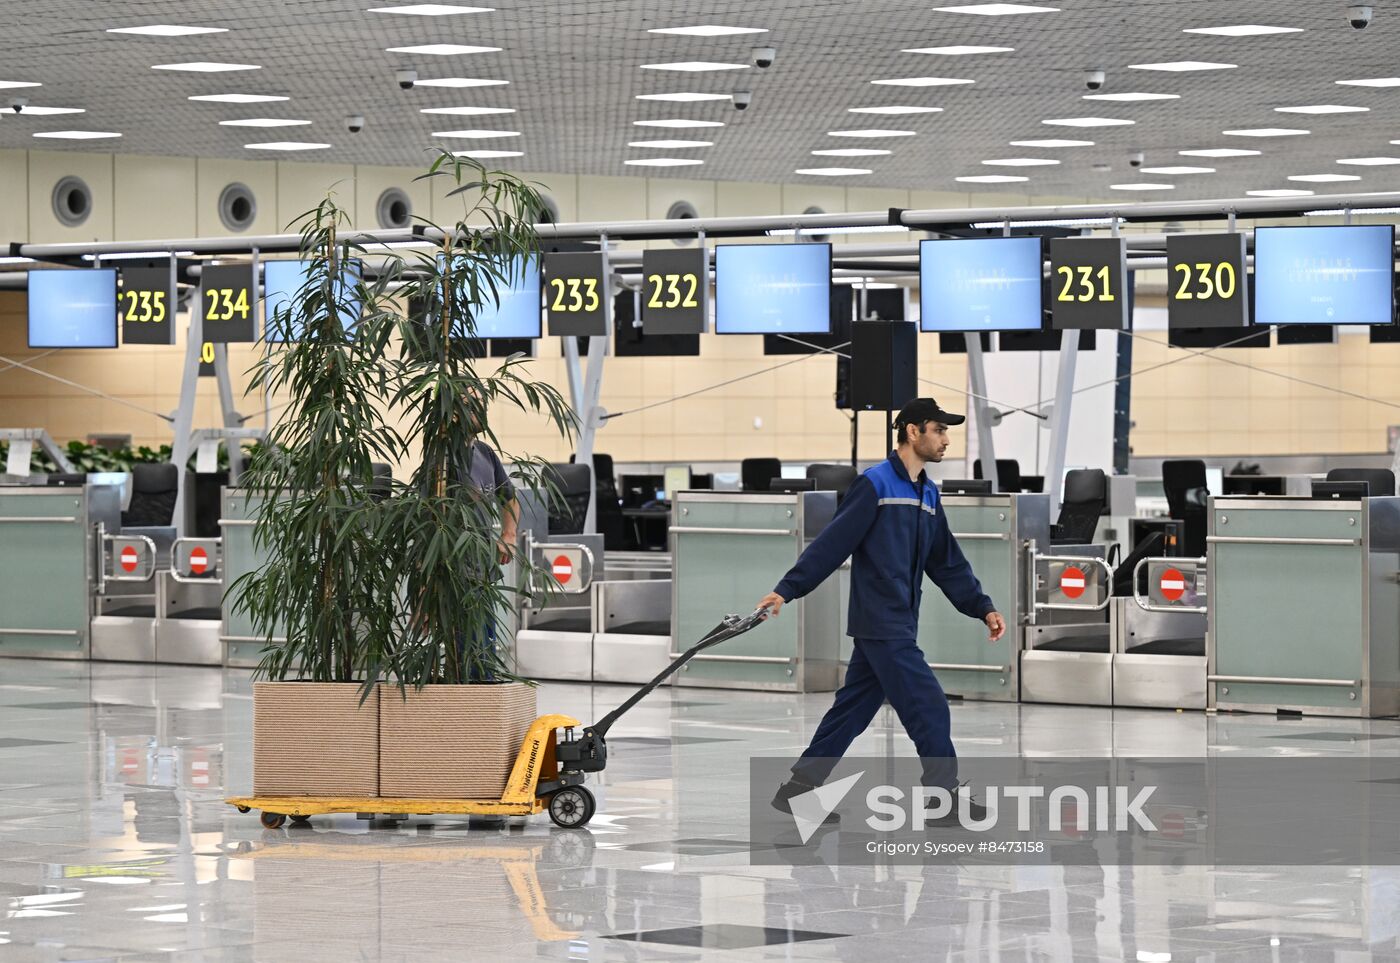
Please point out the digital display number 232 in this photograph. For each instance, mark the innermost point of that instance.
(666, 290)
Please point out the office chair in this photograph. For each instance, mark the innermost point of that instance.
(154, 488)
(1380, 482)
(756, 473)
(1008, 473)
(1085, 498)
(832, 478)
(568, 508)
(1184, 482)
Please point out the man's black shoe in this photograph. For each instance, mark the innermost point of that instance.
(970, 808)
(792, 788)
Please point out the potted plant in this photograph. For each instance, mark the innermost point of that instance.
(454, 720)
(325, 585)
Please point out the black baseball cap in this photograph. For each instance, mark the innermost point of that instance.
(921, 410)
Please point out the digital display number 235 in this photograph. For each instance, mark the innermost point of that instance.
(144, 306)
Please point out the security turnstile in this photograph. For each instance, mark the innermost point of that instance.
(1305, 605)
(188, 595)
(1159, 638)
(994, 532)
(728, 549)
(124, 612)
(554, 637)
(1066, 642)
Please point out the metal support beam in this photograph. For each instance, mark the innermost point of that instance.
(587, 406)
(184, 414)
(231, 417)
(981, 413)
(1059, 418)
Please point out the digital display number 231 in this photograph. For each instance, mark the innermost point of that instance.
(1084, 283)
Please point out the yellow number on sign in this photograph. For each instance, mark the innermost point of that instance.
(1106, 293)
(671, 284)
(223, 306)
(558, 287)
(1182, 294)
(694, 285)
(159, 316)
(1087, 289)
(1225, 271)
(1213, 280)
(656, 282)
(206, 353)
(213, 295)
(582, 292)
(1068, 274)
(241, 305)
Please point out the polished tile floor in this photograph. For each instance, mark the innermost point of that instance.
(114, 844)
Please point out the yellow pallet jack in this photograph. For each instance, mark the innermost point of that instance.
(548, 774)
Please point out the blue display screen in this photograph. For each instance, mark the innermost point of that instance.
(73, 309)
(519, 312)
(773, 289)
(1324, 275)
(980, 284)
(281, 282)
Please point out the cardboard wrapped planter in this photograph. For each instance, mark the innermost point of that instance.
(451, 741)
(315, 739)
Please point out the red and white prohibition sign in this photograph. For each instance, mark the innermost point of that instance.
(1073, 582)
(129, 558)
(199, 561)
(1172, 584)
(563, 569)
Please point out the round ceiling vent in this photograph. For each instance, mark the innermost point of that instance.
(238, 208)
(72, 201)
(814, 238)
(394, 209)
(682, 211)
(548, 212)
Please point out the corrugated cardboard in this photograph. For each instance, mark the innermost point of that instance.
(314, 739)
(452, 741)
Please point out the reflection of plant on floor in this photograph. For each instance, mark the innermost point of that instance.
(86, 457)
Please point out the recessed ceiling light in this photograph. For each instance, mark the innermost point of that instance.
(852, 152)
(33, 111)
(1283, 192)
(1088, 122)
(76, 134)
(1021, 162)
(484, 154)
(1178, 170)
(1178, 66)
(684, 98)
(664, 162)
(957, 51)
(1266, 132)
(1322, 109)
(1128, 98)
(238, 98)
(476, 134)
(708, 30)
(871, 132)
(442, 49)
(202, 67)
(832, 171)
(15, 84)
(1052, 142)
(1242, 30)
(431, 9)
(673, 144)
(1369, 161)
(460, 82)
(467, 111)
(695, 66)
(264, 122)
(991, 179)
(1323, 178)
(996, 9)
(286, 145)
(894, 109)
(1372, 82)
(922, 82)
(1220, 152)
(1142, 186)
(677, 122)
(167, 30)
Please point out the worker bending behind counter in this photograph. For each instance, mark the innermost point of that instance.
(891, 526)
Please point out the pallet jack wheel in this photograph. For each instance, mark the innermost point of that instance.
(243, 809)
(272, 820)
(301, 820)
(571, 807)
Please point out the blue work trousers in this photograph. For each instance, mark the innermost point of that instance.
(880, 669)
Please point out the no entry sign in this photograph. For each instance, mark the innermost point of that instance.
(199, 561)
(1073, 582)
(1172, 584)
(563, 569)
(129, 559)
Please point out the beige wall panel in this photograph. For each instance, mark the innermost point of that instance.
(939, 200)
(663, 192)
(46, 168)
(300, 187)
(154, 197)
(370, 182)
(735, 199)
(612, 198)
(260, 177)
(14, 195)
(831, 198)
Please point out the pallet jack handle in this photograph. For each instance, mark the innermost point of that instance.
(729, 627)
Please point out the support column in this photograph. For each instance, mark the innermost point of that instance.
(981, 413)
(1059, 418)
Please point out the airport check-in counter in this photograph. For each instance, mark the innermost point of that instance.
(242, 644)
(1305, 605)
(994, 532)
(730, 548)
(48, 566)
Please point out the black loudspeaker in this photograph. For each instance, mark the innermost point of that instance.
(884, 365)
(843, 382)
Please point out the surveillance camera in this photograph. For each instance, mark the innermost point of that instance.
(763, 57)
(1136, 159)
(742, 99)
(1359, 15)
(406, 78)
(354, 123)
(19, 103)
(1095, 79)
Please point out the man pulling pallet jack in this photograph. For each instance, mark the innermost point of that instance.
(892, 528)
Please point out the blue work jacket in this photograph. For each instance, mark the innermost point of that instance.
(894, 531)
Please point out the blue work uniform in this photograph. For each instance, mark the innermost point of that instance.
(893, 530)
